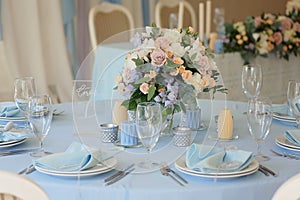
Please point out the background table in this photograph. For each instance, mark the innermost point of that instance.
(154, 185)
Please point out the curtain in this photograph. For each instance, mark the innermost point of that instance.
(35, 45)
(68, 14)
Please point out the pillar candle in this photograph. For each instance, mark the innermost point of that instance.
(225, 124)
(208, 19)
(119, 113)
(201, 21)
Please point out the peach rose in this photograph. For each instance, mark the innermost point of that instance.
(144, 88)
(178, 60)
(186, 75)
(118, 79)
(181, 69)
(152, 74)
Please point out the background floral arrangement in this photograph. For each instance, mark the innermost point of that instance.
(167, 66)
(268, 33)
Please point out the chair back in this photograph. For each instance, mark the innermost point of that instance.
(163, 8)
(107, 19)
(14, 186)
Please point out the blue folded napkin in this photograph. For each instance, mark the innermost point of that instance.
(282, 109)
(216, 159)
(77, 157)
(293, 136)
(10, 111)
(12, 135)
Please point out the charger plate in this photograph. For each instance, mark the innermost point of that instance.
(11, 143)
(98, 169)
(282, 142)
(181, 166)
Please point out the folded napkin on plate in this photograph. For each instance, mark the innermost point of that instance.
(293, 136)
(77, 157)
(11, 135)
(281, 109)
(216, 159)
(10, 111)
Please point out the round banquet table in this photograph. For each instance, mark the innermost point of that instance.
(154, 185)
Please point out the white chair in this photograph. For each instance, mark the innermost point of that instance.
(17, 187)
(107, 19)
(173, 4)
(289, 190)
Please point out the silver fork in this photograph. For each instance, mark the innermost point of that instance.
(26, 169)
(176, 174)
(284, 154)
(166, 173)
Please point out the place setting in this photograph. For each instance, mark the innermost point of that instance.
(10, 136)
(287, 113)
(289, 140)
(77, 160)
(212, 162)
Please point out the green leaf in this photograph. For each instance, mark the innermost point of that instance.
(151, 92)
(138, 61)
(140, 81)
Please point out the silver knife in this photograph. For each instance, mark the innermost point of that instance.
(118, 173)
(120, 177)
(30, 170)
(268, 170)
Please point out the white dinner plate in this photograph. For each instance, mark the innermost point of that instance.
(13, 142)
(283, 117)
(281, 141)
(98, 169)
(181, 166)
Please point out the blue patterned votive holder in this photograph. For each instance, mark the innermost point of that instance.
(128, 133)
(109, 132)
(182, 136)
(193, 118)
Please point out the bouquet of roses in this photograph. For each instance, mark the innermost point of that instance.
(168, 66)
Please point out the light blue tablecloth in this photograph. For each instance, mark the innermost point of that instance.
(154, 185)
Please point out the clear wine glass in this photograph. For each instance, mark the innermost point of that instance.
(40, 117)
(251, 80)
(259, 118)
(148, 126)
(294, 98)
(24, 89)
(290, 94)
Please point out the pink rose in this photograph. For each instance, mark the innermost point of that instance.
(162, 42)
(296, 27)
(257, 21)
(286, 24)
(158, 57)
(277, 38)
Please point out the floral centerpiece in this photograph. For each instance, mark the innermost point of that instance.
(167, 66)
(264, 34)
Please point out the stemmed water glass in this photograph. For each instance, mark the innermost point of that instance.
(40, 116)
(294, 100)
(148, 126)
(251, 80)
(259, 118)
(24, 89)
